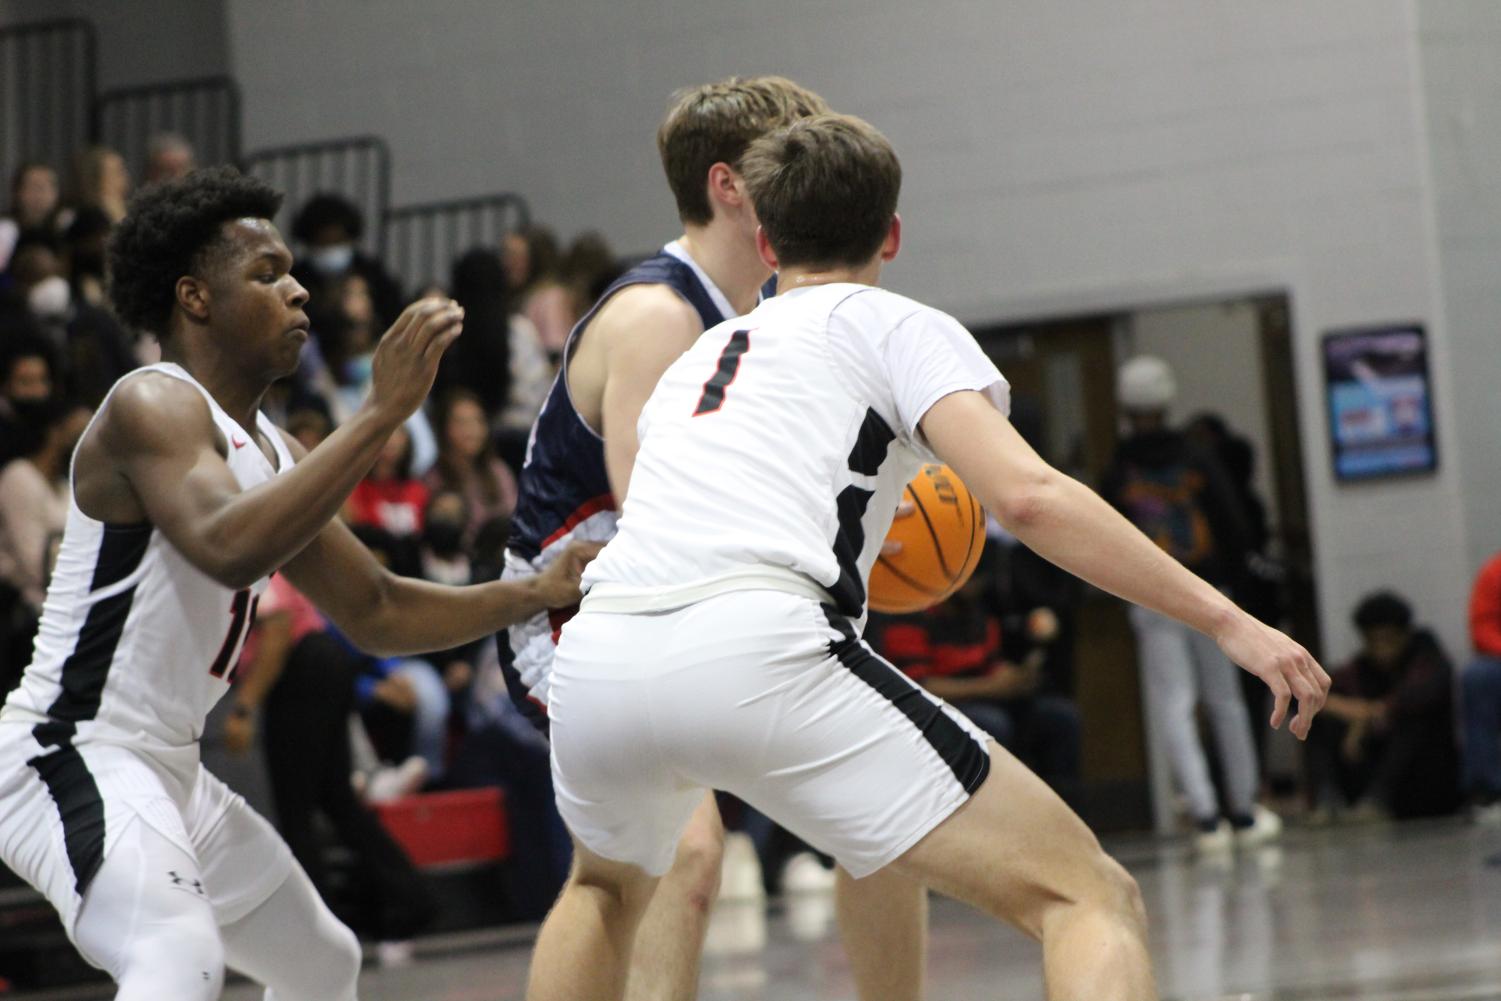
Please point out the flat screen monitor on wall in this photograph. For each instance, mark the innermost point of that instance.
(1380, 402)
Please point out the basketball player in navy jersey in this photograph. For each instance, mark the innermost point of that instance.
(718, 646)
(185, 499)
(579, 465)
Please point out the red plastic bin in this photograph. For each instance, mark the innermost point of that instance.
(441, 828)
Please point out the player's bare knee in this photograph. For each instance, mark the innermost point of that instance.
(1117, 891)
(699, 863)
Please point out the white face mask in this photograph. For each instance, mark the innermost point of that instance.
(333, 260)
(50, 297)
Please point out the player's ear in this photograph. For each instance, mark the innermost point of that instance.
(725, 186)
(893, 244)
(193, 297)
(763, 247)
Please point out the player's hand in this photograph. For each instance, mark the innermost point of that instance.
(903, 510)
(558, 585)
(1288, 670)
(406, 359)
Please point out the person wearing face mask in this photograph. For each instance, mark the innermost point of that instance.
(329, 228)
(94, 347)
(26, 380)
(33, 512)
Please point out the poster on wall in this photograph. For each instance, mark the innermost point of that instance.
(1380, 402)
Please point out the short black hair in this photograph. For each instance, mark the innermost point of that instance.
(324, 210)
(166, 233)
(1382, 609)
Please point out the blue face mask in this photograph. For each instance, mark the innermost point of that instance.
(357, 369)
(333, 260)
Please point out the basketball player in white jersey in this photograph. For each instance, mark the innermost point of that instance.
(185, 499)
(579, 460)
(718, 641)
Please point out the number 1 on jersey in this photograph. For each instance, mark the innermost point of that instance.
(729, 367)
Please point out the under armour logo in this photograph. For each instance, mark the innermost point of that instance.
(185, 884)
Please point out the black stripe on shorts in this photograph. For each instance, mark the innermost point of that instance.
(966, 757)
(79, 804)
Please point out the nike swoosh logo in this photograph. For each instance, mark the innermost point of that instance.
(237, 443)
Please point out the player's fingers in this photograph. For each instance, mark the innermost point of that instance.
(890, 547)
(1281, 695)
(411, 318)
(440, 343)
(905, 508)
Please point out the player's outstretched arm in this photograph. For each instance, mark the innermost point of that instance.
(387, 615)
(642, 330)
(160, 437)
(1069, 524)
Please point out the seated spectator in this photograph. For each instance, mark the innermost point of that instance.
(329, 228)
(86, 238)
(169, 156)
(588, 268)
(94, 348)
(1480, 693)
(1385, 740)
(309, 425)
(101, 181)
(954, 651)
(33, 512)
(391, 499)
(26, 382)
(480, 361)
(533, 264)
(34, 201)
(295, 685)
(467, 463)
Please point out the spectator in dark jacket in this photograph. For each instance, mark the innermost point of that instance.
(1386, 736)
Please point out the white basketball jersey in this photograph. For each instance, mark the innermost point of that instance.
(774, 452)
(136, 644)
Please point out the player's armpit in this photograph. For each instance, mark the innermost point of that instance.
(641, 332)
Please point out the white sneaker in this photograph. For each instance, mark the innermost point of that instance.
(1265, 826)
(1215, 842)
(803, 873)
(393, 783)
(393, 955)
(740, 878)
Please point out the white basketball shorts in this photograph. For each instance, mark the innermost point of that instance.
(766, 695)
(64, 807)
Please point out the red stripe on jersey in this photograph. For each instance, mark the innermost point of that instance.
(588, 509)
(558, 618)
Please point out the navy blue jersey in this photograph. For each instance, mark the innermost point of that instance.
(564, 480)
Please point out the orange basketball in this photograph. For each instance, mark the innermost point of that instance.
(941, 545)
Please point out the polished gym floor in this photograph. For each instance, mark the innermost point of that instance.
(1371, 913)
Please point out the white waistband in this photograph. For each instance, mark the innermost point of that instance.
(620, 598)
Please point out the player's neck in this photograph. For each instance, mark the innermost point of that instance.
(225, 380)
(804, 276)
(729, 261)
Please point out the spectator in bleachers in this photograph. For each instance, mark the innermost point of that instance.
(329, 228)
(296, 686)
(169, 156)
(309, 426)
(1385, 740)
(34, 201)
(26, 381)
(101, 181)
(546, 299)
(588, 268)
(1178, 495)
(33, 511)
(1481, 696)
(467, 463)
(94, 349)
(480, 361)
(86, 238)
(391, 500)
(954, 650)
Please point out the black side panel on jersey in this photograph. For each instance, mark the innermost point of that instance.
(965, 756)
(81, 808)
(871, 445)
(87, 667)
(564, 479)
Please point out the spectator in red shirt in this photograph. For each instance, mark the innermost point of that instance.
(387, 505)
(954, 651)
(1385, 740)
(1481, 695)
